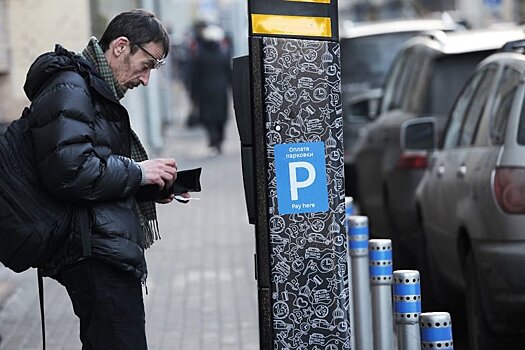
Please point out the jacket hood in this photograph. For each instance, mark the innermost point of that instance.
(51, 63)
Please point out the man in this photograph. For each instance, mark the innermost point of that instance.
(87, 155)
(210, 81)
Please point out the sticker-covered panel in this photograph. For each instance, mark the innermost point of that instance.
(304, 138)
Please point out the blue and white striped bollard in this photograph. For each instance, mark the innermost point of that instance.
(436, 331)
(407, 308)
(349, 206)
(349, 211)
(358, 247)
(380, 260)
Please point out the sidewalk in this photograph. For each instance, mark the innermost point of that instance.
(201, 288)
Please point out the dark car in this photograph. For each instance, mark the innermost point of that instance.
(472, 202)
(424, 80)
(367, 51)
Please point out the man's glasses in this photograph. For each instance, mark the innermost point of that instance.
(158, 63)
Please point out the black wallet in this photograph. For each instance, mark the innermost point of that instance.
(187, 181)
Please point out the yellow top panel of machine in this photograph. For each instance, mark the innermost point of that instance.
(292, 25)
(318, 1)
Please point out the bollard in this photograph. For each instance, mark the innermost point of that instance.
(407, 308)
(358, 247)
(349, 211)
(380, 256)
(436, 331)
(349, 206)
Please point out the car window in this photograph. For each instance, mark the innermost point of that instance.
(393, 80)
(403, 82)
(450, 72)
(365, 60)
(521, 126)
(397, 86)
(459, 111)
(506, 90)
(476, 109)
(417, 75)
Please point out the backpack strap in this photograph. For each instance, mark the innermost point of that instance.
(41, 299)
(83, 221)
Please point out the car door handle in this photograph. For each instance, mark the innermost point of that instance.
(440, 170)
(462, 171)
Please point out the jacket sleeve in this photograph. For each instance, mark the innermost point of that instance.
(74, 164)
(153, 193)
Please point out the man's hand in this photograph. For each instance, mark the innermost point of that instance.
(166, 200)
(182, 198)
(160, 171)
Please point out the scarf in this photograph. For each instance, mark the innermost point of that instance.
(146, 209)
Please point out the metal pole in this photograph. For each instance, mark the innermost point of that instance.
(436, 331)
(349, 206)
(349, 211)
(380, 253)
(358, 246)
(407, 308)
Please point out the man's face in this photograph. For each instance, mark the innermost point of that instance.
(133, 69)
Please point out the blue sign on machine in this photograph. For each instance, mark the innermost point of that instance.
(301, 177)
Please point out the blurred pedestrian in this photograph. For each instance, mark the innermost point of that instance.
(193, 48)
(88, 156)
(210, 82)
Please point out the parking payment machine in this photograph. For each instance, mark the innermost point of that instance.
(288, 107)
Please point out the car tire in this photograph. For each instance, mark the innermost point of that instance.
(480, 335)
(477, 329)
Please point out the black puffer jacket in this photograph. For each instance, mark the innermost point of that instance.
(81, 136)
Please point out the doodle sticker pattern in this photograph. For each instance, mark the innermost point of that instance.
(310, 292)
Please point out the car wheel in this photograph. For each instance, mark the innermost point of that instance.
(480, 335)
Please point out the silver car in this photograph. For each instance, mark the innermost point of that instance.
(367, 51)
(424, 81)
(472, 201)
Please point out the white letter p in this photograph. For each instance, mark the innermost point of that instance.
(294, 184)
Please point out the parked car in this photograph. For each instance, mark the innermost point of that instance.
(424, 80)
(472, 201)
(367, 51)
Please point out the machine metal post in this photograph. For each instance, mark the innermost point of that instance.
(292, 153)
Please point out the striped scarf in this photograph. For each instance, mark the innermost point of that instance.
(146, 209)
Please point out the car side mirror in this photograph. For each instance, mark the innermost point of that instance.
(365, 105)
(419, 134)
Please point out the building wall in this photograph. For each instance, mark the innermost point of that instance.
(479, 13)
(34, 27)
